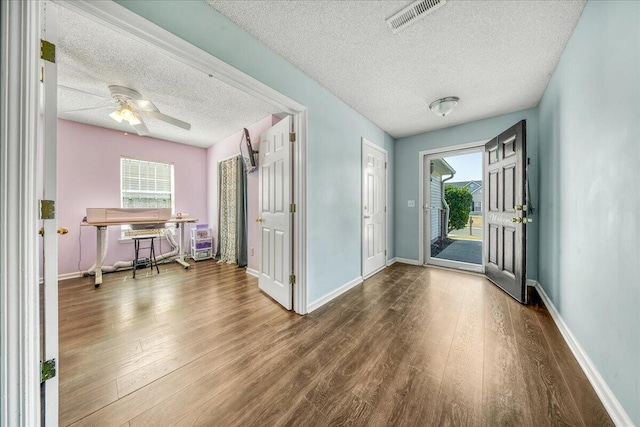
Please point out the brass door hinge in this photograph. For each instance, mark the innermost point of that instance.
(292, 137)
(47, 209)
(47, 370)
(292, 208)
(47, 51)
(292, 279)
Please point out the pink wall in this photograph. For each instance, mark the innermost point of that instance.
(221, 151)
(89, 176)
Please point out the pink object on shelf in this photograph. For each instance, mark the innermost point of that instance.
(202, 234)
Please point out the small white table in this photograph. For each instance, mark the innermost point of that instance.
(102, 226)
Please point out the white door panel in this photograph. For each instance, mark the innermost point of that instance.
(49, 252)
(374, 208)
(275, 218)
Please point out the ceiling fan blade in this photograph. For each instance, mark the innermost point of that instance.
(143, 105)
(171, 120)
(83, 91)
(141, 128)
(88, 109)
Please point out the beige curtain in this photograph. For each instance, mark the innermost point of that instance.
(228, 211)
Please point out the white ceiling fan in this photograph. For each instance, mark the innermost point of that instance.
(128, 105)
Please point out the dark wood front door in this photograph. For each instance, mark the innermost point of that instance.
(505, 220)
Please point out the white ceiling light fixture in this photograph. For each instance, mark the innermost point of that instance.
(444, 106)
(125, 114)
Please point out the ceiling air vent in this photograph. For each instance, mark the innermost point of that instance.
(412, 13)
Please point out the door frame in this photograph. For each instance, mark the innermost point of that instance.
(424, 195)
(370, 144)
(19, 166)
(121, 19)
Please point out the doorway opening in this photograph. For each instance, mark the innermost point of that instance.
(452, 201)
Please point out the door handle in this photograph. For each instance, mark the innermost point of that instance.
(259, 219)
(367, 216)
(61, 230)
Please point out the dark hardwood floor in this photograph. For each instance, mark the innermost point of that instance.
(411, 346)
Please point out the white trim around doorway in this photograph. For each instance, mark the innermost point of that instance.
(19, 278)
(422, 228)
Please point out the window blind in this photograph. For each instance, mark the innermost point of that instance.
(146, 184)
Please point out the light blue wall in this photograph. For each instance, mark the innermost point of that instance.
(408, 176)
(334, 137)
(590, 192)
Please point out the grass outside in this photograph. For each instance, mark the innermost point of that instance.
(464, 234)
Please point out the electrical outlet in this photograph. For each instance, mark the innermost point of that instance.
(411, 203)
(251, 251)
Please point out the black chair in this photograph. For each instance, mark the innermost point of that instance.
(152, 253)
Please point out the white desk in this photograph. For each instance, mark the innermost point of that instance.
(102, 226)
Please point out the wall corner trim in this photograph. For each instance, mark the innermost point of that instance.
(391, 261)
(408, 261)
(609, 400)
(252, 272)
(333, 294)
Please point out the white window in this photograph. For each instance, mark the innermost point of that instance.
(145, 184)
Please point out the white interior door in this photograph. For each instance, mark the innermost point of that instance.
(49, 253)
(275, 216)
(374, 208)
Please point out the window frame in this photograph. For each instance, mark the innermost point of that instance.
(125, 228)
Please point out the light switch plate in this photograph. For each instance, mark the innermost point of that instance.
(411, 203)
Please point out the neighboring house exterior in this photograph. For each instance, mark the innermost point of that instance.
(441, 172)
(475, 188)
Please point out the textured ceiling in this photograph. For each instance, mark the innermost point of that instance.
(91, 57)
(497, 56)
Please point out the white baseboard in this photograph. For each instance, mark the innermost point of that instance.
(611, 404)
(334, 294)
(252, 272)
(72, 275)
(391, 261)
(407, 261)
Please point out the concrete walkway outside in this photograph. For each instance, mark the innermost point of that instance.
(463, 251)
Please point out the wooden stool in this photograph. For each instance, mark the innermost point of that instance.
(152, 253)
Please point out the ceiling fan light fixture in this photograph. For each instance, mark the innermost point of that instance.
(116, 116)
(134, 120)
(126, 114)
(444, 106)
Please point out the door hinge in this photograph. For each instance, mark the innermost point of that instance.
(292, 137)
(385, 165)
(292, 208)
(47, 209)
(47, 370)
(41, 74)
(292, 279)
(385, 252)
(47, 51)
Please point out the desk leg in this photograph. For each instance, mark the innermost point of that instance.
(180, 260)
(101, 235)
